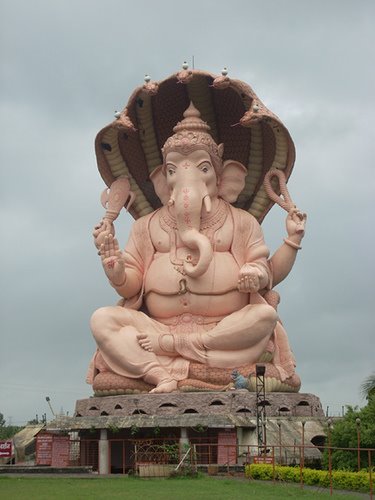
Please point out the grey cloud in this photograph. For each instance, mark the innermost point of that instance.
(64, 72)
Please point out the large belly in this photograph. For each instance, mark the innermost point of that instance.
(170, 293)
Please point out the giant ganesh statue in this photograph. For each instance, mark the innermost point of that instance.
(198, 160)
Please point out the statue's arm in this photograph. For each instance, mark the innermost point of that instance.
(124, 269)
(255, 273)
(133, 278)
(284, 258)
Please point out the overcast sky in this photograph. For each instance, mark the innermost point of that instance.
(66, 66)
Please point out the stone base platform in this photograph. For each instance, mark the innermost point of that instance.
(236, 402)
(47, 470)
(231, 409)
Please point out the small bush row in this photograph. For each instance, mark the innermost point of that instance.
(343, 480)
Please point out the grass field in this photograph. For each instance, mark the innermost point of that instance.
(42, 488)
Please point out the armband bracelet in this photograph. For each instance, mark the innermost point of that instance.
(292, 244)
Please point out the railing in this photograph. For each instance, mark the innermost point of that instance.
(85, 452)
(128, 455)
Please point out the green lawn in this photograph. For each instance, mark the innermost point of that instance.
(42, 488)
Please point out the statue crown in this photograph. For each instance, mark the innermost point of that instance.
(193, 133)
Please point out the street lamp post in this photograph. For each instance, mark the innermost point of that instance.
(280, 455)
(48, 399)
(358, 423)
(303, 444)
(329, 422)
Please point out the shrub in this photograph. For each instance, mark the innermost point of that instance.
(184, 471)
(344, 480)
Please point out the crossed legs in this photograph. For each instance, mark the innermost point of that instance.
(238, 339)
(136, 346)
(115, 330)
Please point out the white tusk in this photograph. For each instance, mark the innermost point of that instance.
(207, 203)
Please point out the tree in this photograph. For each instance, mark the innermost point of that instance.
(368, 387)
(357, 423)
(7, 431)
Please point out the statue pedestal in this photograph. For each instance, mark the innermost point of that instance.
(220, 427)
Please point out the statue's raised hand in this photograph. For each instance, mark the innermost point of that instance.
(112, 260)
(251, 279)
(101, 230)
(295, 223)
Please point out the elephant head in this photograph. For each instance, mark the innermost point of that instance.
(191, 180)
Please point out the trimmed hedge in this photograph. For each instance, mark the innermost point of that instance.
(342, 480)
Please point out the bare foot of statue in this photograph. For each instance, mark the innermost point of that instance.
(168, 385)
(156, 343)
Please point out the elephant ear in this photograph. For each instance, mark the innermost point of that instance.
(232, 180)
(159, 181)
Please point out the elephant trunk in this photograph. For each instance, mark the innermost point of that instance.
(188, 208)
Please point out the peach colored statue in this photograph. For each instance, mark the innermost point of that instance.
(195, 278)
